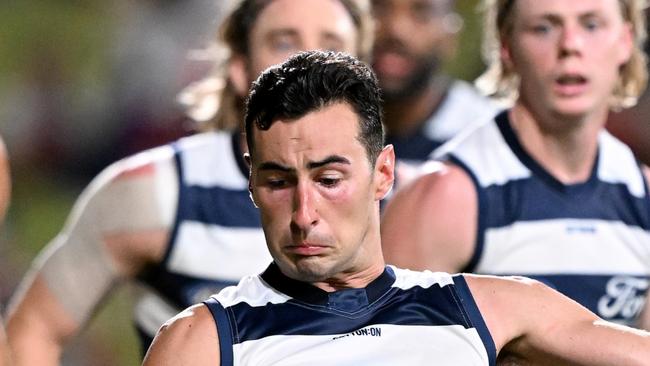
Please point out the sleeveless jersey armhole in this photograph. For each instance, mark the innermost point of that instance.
(474, 314)
(646, 184)
(223, 330)
(182, 194)
(481, 215)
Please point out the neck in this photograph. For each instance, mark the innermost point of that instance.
(403, 116)
(356, 279)
(565, 146)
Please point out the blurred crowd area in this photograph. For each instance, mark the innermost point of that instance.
(82, 84)
(86, 82)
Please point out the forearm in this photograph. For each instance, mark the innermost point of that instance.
(5, 357)
(31, 347)
(38, 326)
(613, 344)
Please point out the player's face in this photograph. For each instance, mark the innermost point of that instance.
(411, 42)
(318, 194)
(568, 53)
(285, 27)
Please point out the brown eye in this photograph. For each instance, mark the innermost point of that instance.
(329, 182)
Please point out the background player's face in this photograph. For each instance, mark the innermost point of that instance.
(317, 193)
(411, 43)
(285, 27)
(567, 53)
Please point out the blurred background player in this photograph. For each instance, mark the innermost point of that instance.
(177, 218)
(423, 106)
(543, 190)
(82, 85)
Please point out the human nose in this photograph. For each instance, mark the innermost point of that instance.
(571, 41)
(305, 213)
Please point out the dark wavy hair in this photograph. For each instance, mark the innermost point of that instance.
(309, 81)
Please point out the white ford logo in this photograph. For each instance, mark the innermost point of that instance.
(625, 297)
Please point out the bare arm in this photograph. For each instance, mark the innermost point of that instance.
(5, 181)
(530, 321)
(117, 226)
(431, 223)
(5, 193)
(5, 356)
(190, 338)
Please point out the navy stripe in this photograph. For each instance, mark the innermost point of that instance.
(645, 184)
(219, 206)
(346, 300)
(483, 211)
(433, 306)
(416, 148)
(181, 198)
(182, 290)
(474, 314)
(617, 298)
(509, 135)
(532, 200)
(223, 331)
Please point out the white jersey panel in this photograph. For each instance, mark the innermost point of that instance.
(496, 168)
(617, 164)
(205, 156)
(228, 253)
(251, 290)
(462, 107)
(382, 345)
(407, 278)
(568, 247)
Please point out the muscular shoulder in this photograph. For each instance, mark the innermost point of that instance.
(431, 223)
(145, 166)
(522, 310)
(506, 303)
(144, 183)
(189, 338)
(437, 181)
(126, 211)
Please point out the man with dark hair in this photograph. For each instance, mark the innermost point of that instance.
(328, 298)
(423, 106)
(177, 218)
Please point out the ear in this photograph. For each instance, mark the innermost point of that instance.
(238, 75)
(247, 158)
(626, 43)
(385, 172)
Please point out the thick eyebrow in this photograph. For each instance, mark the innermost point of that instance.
(332, 159)
(274, 166)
